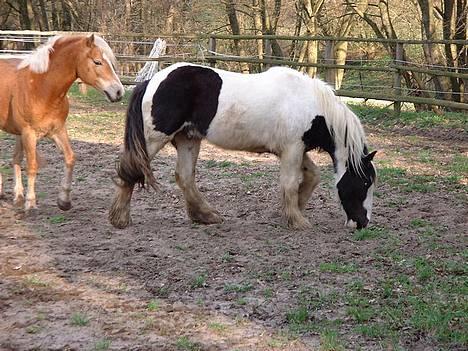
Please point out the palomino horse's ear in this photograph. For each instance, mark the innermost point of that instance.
(90, 40)
(370, 157)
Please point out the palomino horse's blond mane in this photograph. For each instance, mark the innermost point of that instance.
(38, 60)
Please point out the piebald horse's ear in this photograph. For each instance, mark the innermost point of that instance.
(369, 157)
(90, 40)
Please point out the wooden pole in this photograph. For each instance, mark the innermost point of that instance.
(330, 73)
(397, 78)
(212, 46)
(267, 53)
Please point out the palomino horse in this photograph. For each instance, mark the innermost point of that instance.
(34, 103)
(280, 111)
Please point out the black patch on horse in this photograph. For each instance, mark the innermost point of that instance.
(319, 137)
(188, 94)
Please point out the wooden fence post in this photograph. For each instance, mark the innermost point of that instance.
(397, 77)
(212, 48)
(330, 73)
(267, 53)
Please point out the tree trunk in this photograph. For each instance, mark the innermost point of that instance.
(258, 29)
(45, 20)
(234, 23)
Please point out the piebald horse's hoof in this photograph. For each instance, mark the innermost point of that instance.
(64, 205)
(299, 224)
(206, 218)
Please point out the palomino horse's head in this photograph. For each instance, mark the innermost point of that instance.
(355, 189)
(96, 68)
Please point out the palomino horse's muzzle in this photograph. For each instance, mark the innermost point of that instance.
(114, 92)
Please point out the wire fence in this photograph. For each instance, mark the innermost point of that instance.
(369, 72)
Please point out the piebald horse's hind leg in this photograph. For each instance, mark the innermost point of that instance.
(310, 179)
(17, 159)
(187, 154)
(291, 176)
(29, 141)
(63, 143)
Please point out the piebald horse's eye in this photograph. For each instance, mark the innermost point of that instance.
(97, 62)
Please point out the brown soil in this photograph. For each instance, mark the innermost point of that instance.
(55, 264)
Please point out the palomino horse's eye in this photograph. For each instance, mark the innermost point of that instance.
(97, 62)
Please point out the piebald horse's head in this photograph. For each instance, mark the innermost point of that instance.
(355, 189)
(96, 68)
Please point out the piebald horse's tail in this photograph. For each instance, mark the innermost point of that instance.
(134, 166)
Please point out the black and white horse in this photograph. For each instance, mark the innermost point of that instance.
(280, 111)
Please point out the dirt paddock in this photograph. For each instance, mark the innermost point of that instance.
(70, 281)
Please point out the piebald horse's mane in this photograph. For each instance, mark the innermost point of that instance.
(38, 60)
(342, 124)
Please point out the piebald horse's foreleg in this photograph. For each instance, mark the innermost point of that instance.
(291, 177)
(187, 154)
(29, 141)
(62, 141)
(17, 159)
(310, 179)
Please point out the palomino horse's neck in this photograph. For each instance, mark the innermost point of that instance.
(53, 84)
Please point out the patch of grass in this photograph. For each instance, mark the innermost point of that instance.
(185, 344)
(94, 97)
(199, 281)
(153, 305)
(459, 164)
(424, 269)
(219, 164)
(360, 314)
(238, 288)
(268, 293)
(57, 219)
(329, 341)
(217, 327)
(425, 156)
(6, 170)
(33, 329)
(36, 281)
(372, 330)
(419, 223)
(336, 267)
(227, 257)
(299, 315)
(425, 119)
(369, 233)
(249, 178)
(398, 177)
(79, 319)
(102, 345)
(241, 301)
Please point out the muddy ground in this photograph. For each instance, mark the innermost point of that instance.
(70, 281)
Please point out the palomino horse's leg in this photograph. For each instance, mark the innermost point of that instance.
(63, 143)
(187, 154)
(17, 159)
(29, 141)
(290, 178)
(310, 179)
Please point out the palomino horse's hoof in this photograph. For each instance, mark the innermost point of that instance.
(19, 201)
(64, 205)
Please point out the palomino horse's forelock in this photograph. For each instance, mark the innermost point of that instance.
(134, 164)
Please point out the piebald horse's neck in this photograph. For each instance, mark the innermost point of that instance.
(54, 84)
(341, 160)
